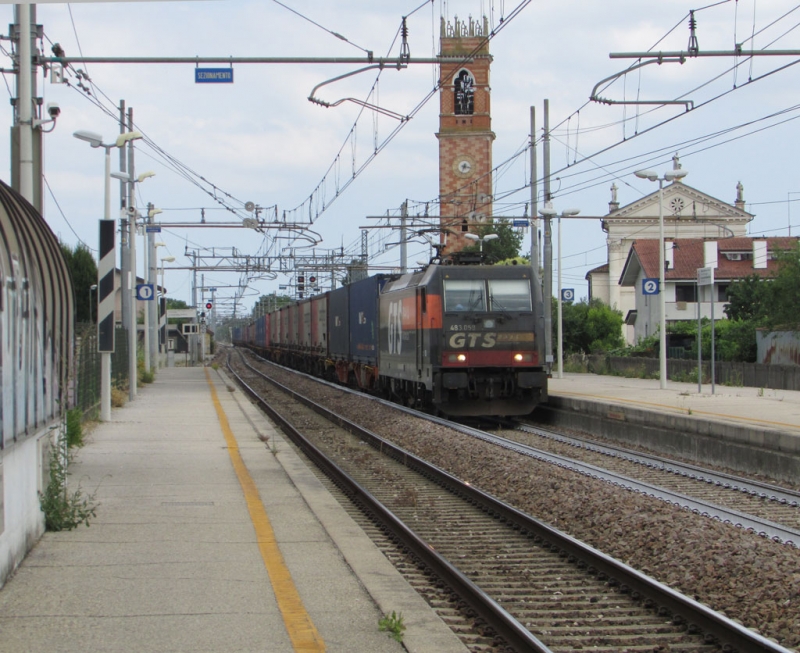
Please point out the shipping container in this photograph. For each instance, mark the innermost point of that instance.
(319, 321)
(364, 320)
(339, 324)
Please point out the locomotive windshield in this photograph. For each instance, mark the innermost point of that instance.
(470, 295)
(510, 295)
(464, 295)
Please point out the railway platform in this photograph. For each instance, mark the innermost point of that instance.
(750, 429)
(210, 535)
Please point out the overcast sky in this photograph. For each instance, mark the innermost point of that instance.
(260, 140)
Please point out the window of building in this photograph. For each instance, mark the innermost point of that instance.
(686, 292)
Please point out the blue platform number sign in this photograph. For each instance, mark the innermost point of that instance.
(649, 286)
(568, 294)
(145, 291)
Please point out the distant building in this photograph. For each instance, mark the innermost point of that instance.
(731, 259)
(689, 214)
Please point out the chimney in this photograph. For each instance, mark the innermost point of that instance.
(760, 255)
(710, 254)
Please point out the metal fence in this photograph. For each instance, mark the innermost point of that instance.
(752, 375)
(87, 367)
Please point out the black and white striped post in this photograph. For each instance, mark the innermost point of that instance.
(162, 324)
(105, 313)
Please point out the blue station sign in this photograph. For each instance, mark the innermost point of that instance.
(213, 75)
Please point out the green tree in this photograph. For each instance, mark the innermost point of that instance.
(505, 247)
(83, 271)
(588, 327)
(746, 298)
(773, 302)
(782, 301)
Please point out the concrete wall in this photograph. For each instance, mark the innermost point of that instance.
(23, 466)
(737, 447)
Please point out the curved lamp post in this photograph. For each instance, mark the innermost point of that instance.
(670, 175)
(166, 259)
(96, 140)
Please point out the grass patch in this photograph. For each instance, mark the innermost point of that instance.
(392, 625)
(118, 397)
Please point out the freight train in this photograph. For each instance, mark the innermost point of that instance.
(457, 340)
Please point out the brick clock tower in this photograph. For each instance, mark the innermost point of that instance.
(465, 133)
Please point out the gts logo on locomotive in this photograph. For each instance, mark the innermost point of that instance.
(486, 340)
(471, 340)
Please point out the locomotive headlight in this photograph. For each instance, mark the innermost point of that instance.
(488, 324)
(518, 357)
(461, 358)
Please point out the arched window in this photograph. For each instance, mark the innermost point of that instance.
(464, 89)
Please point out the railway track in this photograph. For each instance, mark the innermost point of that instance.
(520, 583)
(768, 510)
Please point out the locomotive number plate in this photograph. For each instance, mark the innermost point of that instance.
(462, 327)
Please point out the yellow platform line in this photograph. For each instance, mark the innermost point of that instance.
(301, 629)
(676, 409)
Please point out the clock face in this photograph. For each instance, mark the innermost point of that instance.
(464, 166)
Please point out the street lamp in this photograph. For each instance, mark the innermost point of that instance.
(480, 239)
(152, 312)
(131, 298)
(166, 259)
(92, 288)
(148, 275)
(95, 140)
(548, 212)
(670, 175)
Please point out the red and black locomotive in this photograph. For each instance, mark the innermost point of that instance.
(461, 340)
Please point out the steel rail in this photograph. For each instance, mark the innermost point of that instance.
(504, 625)
(693, 613)
(736, 483)
(762, 527)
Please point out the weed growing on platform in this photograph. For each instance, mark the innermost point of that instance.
(118, 397)
(392, 625)
(147, 376)
(64, 510)
(74, 428)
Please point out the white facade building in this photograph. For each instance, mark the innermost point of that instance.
(688, 214)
